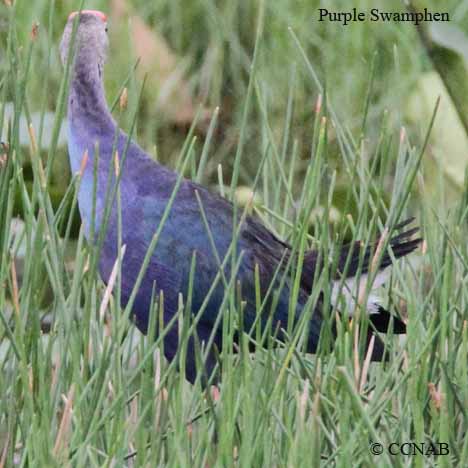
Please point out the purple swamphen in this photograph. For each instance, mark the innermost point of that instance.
(198, 229)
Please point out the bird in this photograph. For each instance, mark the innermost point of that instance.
(204, 245)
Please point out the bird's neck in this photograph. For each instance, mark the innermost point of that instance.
(90, 125)
(88, 113)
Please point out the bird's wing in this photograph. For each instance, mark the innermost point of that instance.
(202, 222)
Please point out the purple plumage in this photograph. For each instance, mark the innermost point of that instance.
(145, 190)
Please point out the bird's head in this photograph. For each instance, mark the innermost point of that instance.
(91, 35)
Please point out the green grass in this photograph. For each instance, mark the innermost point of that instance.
(92, 391)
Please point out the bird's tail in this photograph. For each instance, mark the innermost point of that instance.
(354, 259)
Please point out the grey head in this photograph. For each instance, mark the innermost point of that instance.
(91, 37)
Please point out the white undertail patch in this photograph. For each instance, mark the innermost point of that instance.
(345, 294)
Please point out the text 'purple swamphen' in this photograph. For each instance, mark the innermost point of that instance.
(198, 229)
